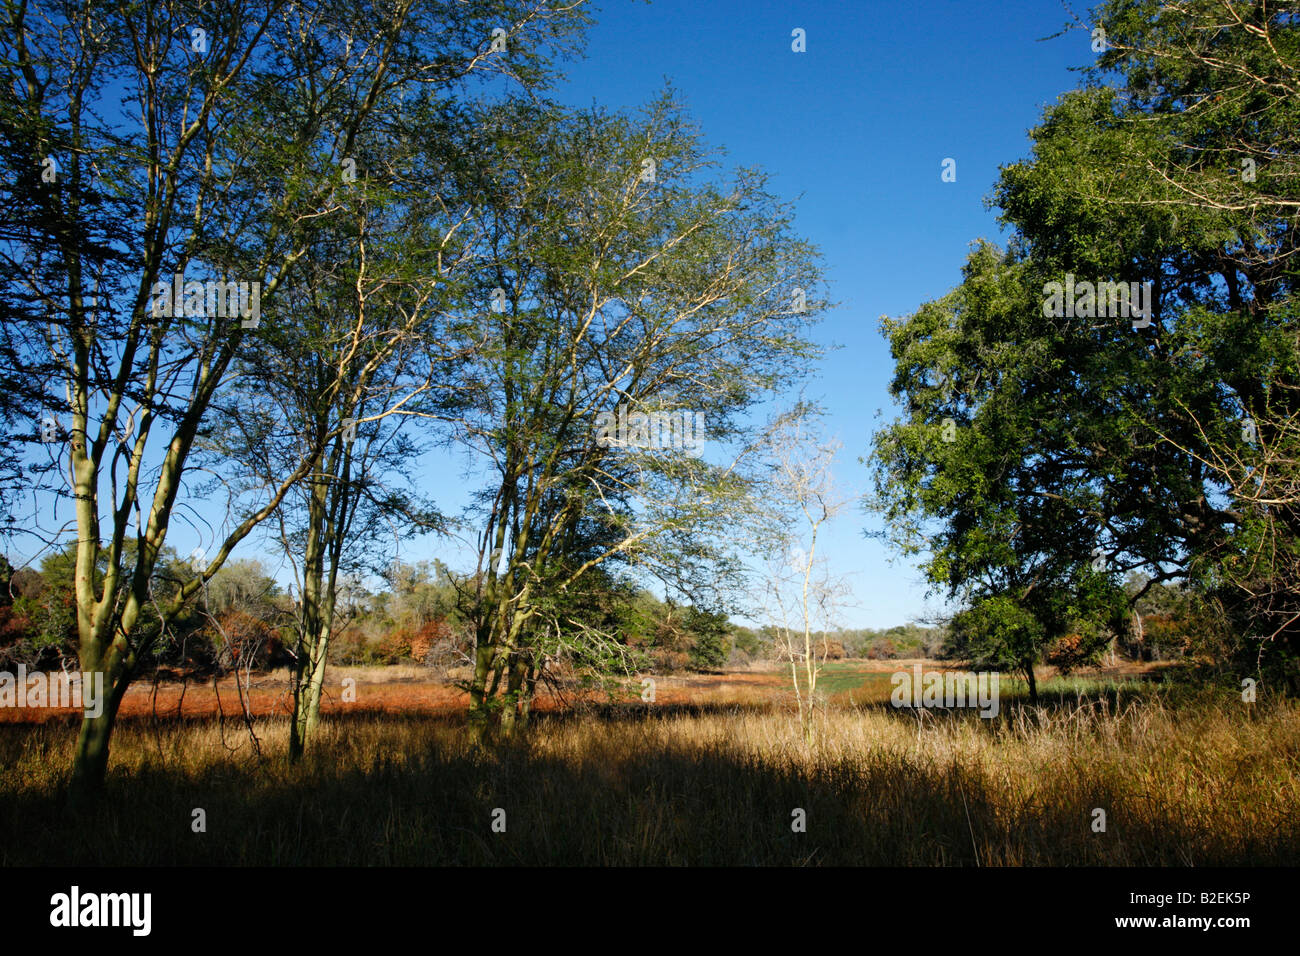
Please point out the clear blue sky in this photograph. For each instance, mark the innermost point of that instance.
(855, 129)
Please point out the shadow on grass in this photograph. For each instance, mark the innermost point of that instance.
(396, 790)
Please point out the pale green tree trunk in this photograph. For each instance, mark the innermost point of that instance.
(309, 663)
(90, 760)
(327, 513)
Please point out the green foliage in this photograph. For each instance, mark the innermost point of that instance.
(1039, 458)
(712, 639)
(996, 633)
(749, 644)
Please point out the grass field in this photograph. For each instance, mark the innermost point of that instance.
(1183, 780)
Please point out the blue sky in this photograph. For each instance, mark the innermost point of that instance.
(855, 130)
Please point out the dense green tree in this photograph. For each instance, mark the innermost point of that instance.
(711, 644)
(1043, 448)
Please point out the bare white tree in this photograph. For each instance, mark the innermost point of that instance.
(800, 594)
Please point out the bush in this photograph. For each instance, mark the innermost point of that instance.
(882, 648)
(243, 640)
(832, 650)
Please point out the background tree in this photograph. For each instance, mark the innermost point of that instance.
(248, 613)
(711, 639)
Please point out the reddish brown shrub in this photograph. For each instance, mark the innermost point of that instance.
(243, 638)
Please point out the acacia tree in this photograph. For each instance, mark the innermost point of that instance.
(373, 299)
(141, 139)
(349, 384)
(618, 284)
(361, 359)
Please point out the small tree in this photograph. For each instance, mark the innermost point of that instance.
(1074, 622)
(801, 595)
(998, 633)
(712, 639)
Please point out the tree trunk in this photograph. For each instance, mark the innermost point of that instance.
(311, 681)
(90, 759)
(308, 685)
(498, 668)
(526, 701)
(479, 717)
(514, 694)
(309, 627)
(1033, 681)
(315, 686)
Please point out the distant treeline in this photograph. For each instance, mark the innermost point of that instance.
(245, 619)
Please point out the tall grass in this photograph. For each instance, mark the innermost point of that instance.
(1181, 784)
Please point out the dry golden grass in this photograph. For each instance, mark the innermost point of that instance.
(1186, 784)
